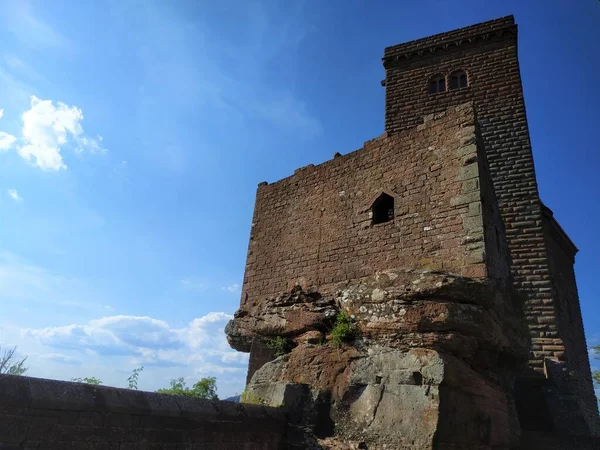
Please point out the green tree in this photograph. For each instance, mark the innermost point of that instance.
(132, 381)
(88, 380)
(8, 363)
(205, 388)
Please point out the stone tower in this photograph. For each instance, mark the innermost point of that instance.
(541, 254)
(432, 238)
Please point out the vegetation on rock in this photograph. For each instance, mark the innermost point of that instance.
(251, 398)
(280, 345)
(344, 329)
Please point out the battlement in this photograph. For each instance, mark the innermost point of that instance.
(317, 227)
(446, 41)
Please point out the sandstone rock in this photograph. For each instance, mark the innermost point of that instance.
(431, 345)
(313, 337)
(385, 396)
(289, 314)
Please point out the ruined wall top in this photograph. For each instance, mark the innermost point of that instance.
(323, 225)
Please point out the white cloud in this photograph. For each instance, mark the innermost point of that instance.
(201, 344)
(12, 193)
(197, 333)
(233, 288)
(92, 145)
(47, 129)
(6, 141)
(70, 323)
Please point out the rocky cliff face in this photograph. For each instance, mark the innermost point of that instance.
(429, 362)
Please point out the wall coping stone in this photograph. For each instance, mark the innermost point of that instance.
(41, 393)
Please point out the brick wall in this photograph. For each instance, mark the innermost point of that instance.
(260, 354)
(488, 53)
(495, 88)
(496, 246)
(314, 228)
(48, 414)
(561, 252)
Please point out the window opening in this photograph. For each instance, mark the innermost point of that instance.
(437, 84)
(458, 80)
(383, 209)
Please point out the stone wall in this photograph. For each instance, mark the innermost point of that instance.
(561, 252)
(260, 354)
(459, 167)
(48, 414)
(315, 229)
(487, 52)
(550, 441)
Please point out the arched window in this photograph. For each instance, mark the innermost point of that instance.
(458, 80)
(383, 209)
(437, 83)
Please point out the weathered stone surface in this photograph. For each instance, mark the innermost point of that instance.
(50, 414)
(379, 384)
(289, 314)
(430, 345)
(433, 239)
(385, 396)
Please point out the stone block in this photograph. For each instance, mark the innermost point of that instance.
(14, 391)
(61, 395)
(465, 199)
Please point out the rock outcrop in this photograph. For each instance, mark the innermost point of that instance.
(428, 345)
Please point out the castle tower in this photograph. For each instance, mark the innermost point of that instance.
(480, 64)
(433, 242)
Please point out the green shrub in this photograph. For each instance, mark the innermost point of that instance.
(205, 388)
(343, 330)
(87, 380)
(280, 345)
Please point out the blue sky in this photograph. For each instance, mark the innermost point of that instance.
(134, 133)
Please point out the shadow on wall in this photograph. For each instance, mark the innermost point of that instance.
(48, 414)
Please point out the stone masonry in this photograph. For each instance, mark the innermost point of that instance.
(432, 238)
(412, 294)
(487, 52)
(50, 415)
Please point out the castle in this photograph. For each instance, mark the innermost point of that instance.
(433, 238)
(413, 294)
